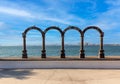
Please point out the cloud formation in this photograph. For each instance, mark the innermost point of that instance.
(43, 13)
(16, 12)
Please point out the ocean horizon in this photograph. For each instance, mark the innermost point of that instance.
(55, 50)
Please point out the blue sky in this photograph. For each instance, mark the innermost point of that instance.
(17, 15)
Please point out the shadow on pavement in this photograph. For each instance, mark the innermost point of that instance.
(16, 73)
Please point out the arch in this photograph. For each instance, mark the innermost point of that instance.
(24, 55)
(58, 29)
(53, 27)
(101, 51)
(74, 28)
(32, 28)
(81, 33)
(95, 28)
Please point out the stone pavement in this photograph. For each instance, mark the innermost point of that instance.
(59, 76)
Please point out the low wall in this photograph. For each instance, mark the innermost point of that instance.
(60, 64)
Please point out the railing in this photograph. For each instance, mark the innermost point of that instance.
(82, 32)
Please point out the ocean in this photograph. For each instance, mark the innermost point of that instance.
(16, 51)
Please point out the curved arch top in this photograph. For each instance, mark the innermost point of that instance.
(32, 28)
(94, 27)
(74, 28)
(53, 27)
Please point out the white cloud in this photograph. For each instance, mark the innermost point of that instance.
(63, 18)
(16, 12)
(67, 19)
(54, 12)
(113, 2)
(1, 24)
(109, 19)
(59, 20)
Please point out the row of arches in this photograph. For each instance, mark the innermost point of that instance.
(62, 33)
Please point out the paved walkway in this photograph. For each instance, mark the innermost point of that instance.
(59, 76)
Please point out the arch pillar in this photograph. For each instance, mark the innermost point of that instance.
(43, 55)
(24, 52)
(82, 55)
(62, 50)
(101, 52)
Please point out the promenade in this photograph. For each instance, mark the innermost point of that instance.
(112, 62)
(69, 70)
(59, 76)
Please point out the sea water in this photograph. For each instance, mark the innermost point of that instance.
(73, 50)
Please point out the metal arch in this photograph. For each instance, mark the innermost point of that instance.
(82, 55)
(57, 28)
(53, 27)
(95, 28)
(32, 28)
(74, 28)
(81, 33)
(101, 51)
(24, 54)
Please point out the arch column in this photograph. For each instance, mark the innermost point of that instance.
(62, 50)
(82, 55)
(24, 52)
(43, 55)
(101, 52)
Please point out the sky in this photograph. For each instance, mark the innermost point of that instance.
(18, 15)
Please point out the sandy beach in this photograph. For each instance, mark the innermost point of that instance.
(59, 76)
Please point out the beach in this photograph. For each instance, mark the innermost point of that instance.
(59, 76)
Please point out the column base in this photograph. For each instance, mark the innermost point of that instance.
(82, 55)
(62, 53)
(101, 54)
(43, 55)
(24, 54)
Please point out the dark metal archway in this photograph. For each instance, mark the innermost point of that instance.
(58, 29)
(101, 51)
(24, 54)
(43, 54)
(81, 34)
